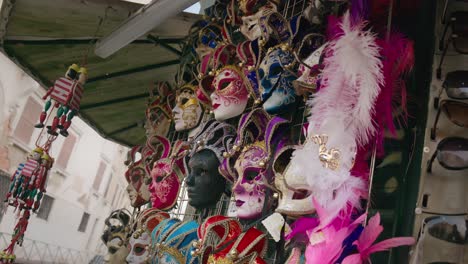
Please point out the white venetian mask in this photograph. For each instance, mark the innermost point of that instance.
(188, 111)
(138, 249)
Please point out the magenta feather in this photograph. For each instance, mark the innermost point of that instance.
(398, 60)
(369, 233)
(327, 239)
(329, 250)
(367, 238)
(391, 243)
(352, 259)
(301, 226)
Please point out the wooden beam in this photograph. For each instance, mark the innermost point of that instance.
(133, 70)
(114, 101)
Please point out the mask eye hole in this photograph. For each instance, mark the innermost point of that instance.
(183, 101)
(261, 73)
(223, 85)
(136, 176)
(139, 250)
(251, 173)
(301, 194)
(275, 70)
(112, 250)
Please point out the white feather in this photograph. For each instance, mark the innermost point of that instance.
(343, 110)
(351, 81)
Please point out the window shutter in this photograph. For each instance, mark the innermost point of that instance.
(4, 186)
(99, 175)
(46, 207)
(83, 222)
(29, 117)
(66, 151)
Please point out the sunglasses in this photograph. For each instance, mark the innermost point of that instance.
(451, 153)
(459, 25)
(455, 111)
(441, 233)
(455, 86)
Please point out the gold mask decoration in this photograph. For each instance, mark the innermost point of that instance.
(330, 158)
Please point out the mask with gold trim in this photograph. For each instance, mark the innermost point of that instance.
(255, 176)
(139, 161)
(249, 248)
(115, 236)
(167, 175)
(187, 111)
(140, 240)
(216, 235)
(171, 241)
(158, 111)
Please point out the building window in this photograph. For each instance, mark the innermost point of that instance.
(116, 193)
(66, 151)
(84, 222)
(45, 208)
(29, 117)
(109, 183)
(4, 185)
(99, 175)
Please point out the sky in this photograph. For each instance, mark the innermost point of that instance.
(195, 8)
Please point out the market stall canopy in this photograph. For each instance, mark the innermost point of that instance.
(45, 37)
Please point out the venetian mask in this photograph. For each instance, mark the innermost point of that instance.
(166, 177)
(117, 250)
(294, 198)
(251, 6)
(115, 236)
(140, 160)
(253, 26)
(141, 238)
(136, 177)
(250, 247)
(254, 172)
(331, 167)
(171, 241)
(208, 39)
(250, 188)
(158, 111)
(309, 72)
(214, 236)
(254, 23)
(137, 248)
(188, 111)
(275, 79)
(230, 95)
(204, 183)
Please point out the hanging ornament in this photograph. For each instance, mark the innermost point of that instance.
(65, 95)
(27, 187)
(7, 256)
(28, 183)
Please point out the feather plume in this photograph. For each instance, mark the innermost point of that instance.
(359, 10)
(327, 240)
(329, 249)
(398, 60)
(368, 236)
(351, 81)
(342, 110)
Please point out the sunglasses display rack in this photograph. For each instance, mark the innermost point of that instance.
(442, 208)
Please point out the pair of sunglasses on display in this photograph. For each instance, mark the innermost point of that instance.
(442, 231)
(458, 23)
(451, 153)
(456, 87)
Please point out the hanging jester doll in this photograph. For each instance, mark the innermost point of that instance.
(66, 93)
(28, 183)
